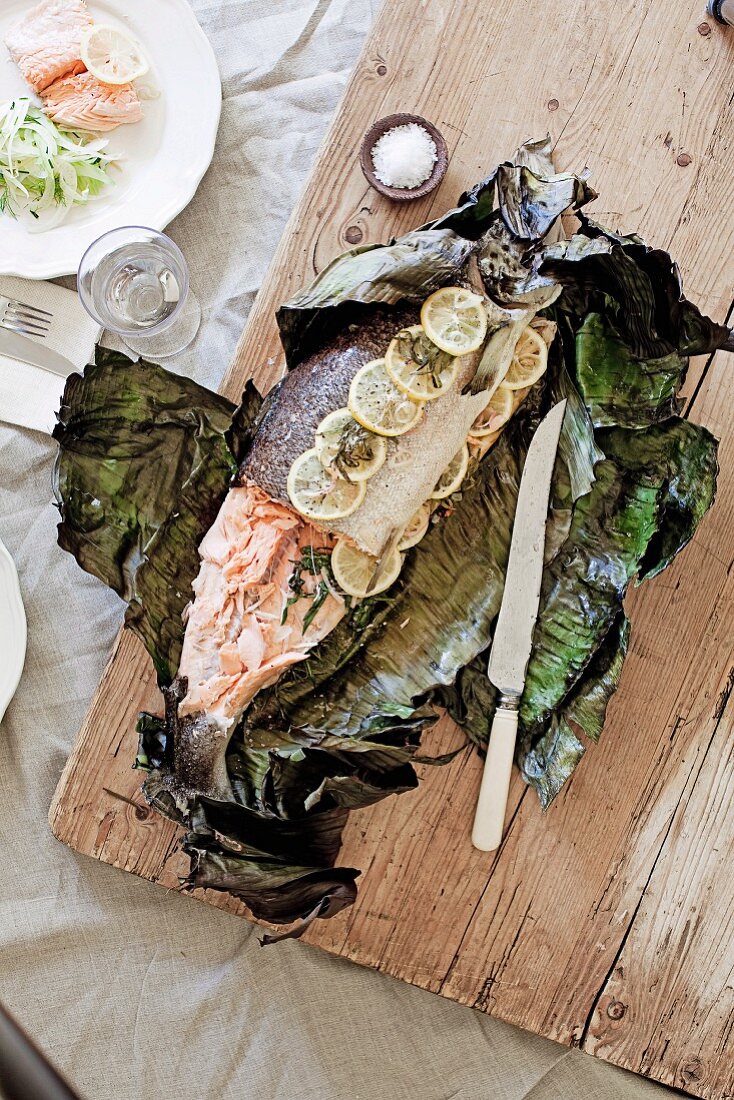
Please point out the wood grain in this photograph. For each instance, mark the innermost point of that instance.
(605, 923)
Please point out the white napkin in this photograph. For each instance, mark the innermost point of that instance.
(30, 396)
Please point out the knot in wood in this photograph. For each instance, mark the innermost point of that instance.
(615, 1010)
(684, 159)
(692, 1070)
(552, 104)
(704, 29)
(382, 70)
(353, 234)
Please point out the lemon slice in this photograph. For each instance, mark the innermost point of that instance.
(113, 55)
(315, 493)
(378, 405)
(499, 410)
(348, 449)
(529, 360)
(453, 475)
(480, 444)
(455, 319)
(416, 528)
(353, 569)
(418, 367)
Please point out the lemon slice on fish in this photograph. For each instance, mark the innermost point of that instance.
(353, 570)
(496, 414)
(529, 360)
(348, 449)
(416, 528)
(113, 55)
(378, 405)
(418, 367)
(455, 319)
(480, 445)
(317, 494)
(453, 475)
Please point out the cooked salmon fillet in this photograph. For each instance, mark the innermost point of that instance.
(81, 102)
(46, 43)
(237, 641)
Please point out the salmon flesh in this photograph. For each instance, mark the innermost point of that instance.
(81, 102)
(47, 43)
(254, 614)
(46, 46)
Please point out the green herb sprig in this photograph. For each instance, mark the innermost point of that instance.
(428, 358)
(315, 562)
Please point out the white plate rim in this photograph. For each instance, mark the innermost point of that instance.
(53, 269)
(18, 628)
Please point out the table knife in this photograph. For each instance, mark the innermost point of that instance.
(28, 351)
(513, 636)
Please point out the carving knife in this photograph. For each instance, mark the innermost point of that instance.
(25, 350)
(513, 636)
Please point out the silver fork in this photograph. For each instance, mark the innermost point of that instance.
(19, 317)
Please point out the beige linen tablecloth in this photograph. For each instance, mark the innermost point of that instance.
(134, 992)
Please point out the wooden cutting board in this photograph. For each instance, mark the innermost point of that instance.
(607, 922)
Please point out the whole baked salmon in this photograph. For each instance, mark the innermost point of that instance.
(249, 620)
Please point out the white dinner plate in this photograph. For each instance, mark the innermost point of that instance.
(163, 158)
(12, 630)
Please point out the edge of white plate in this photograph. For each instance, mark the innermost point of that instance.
(51, 271)
(14, 661)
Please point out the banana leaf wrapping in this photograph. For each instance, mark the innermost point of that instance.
(146, 458)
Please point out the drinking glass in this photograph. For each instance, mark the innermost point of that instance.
(134, 281)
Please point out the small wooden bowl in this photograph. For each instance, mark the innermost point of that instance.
(402, 194)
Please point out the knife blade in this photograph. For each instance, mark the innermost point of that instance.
(26, 350)
(513, 636)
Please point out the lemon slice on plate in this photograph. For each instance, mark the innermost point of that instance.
(529, 360)
(353, 569)
(453, 475)
(418, 367)
(497, 412)
(348, 449)
(113, 55)
(317, 494)
(416, 528)
(455, 319)
(378, 405)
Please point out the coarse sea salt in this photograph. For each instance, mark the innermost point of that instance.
(404, 156)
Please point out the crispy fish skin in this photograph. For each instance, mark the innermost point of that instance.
(415, 460)
(314, 388)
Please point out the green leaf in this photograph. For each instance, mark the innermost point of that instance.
(527, 196)
(145, 459)
(620, 388)
(636, 288)
(548, 761)
(642, 509)
(685, 457)
(406, 270)
(552, 760)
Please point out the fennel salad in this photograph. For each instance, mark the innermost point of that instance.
(46, 170)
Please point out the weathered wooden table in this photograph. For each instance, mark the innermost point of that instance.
(608, 922)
